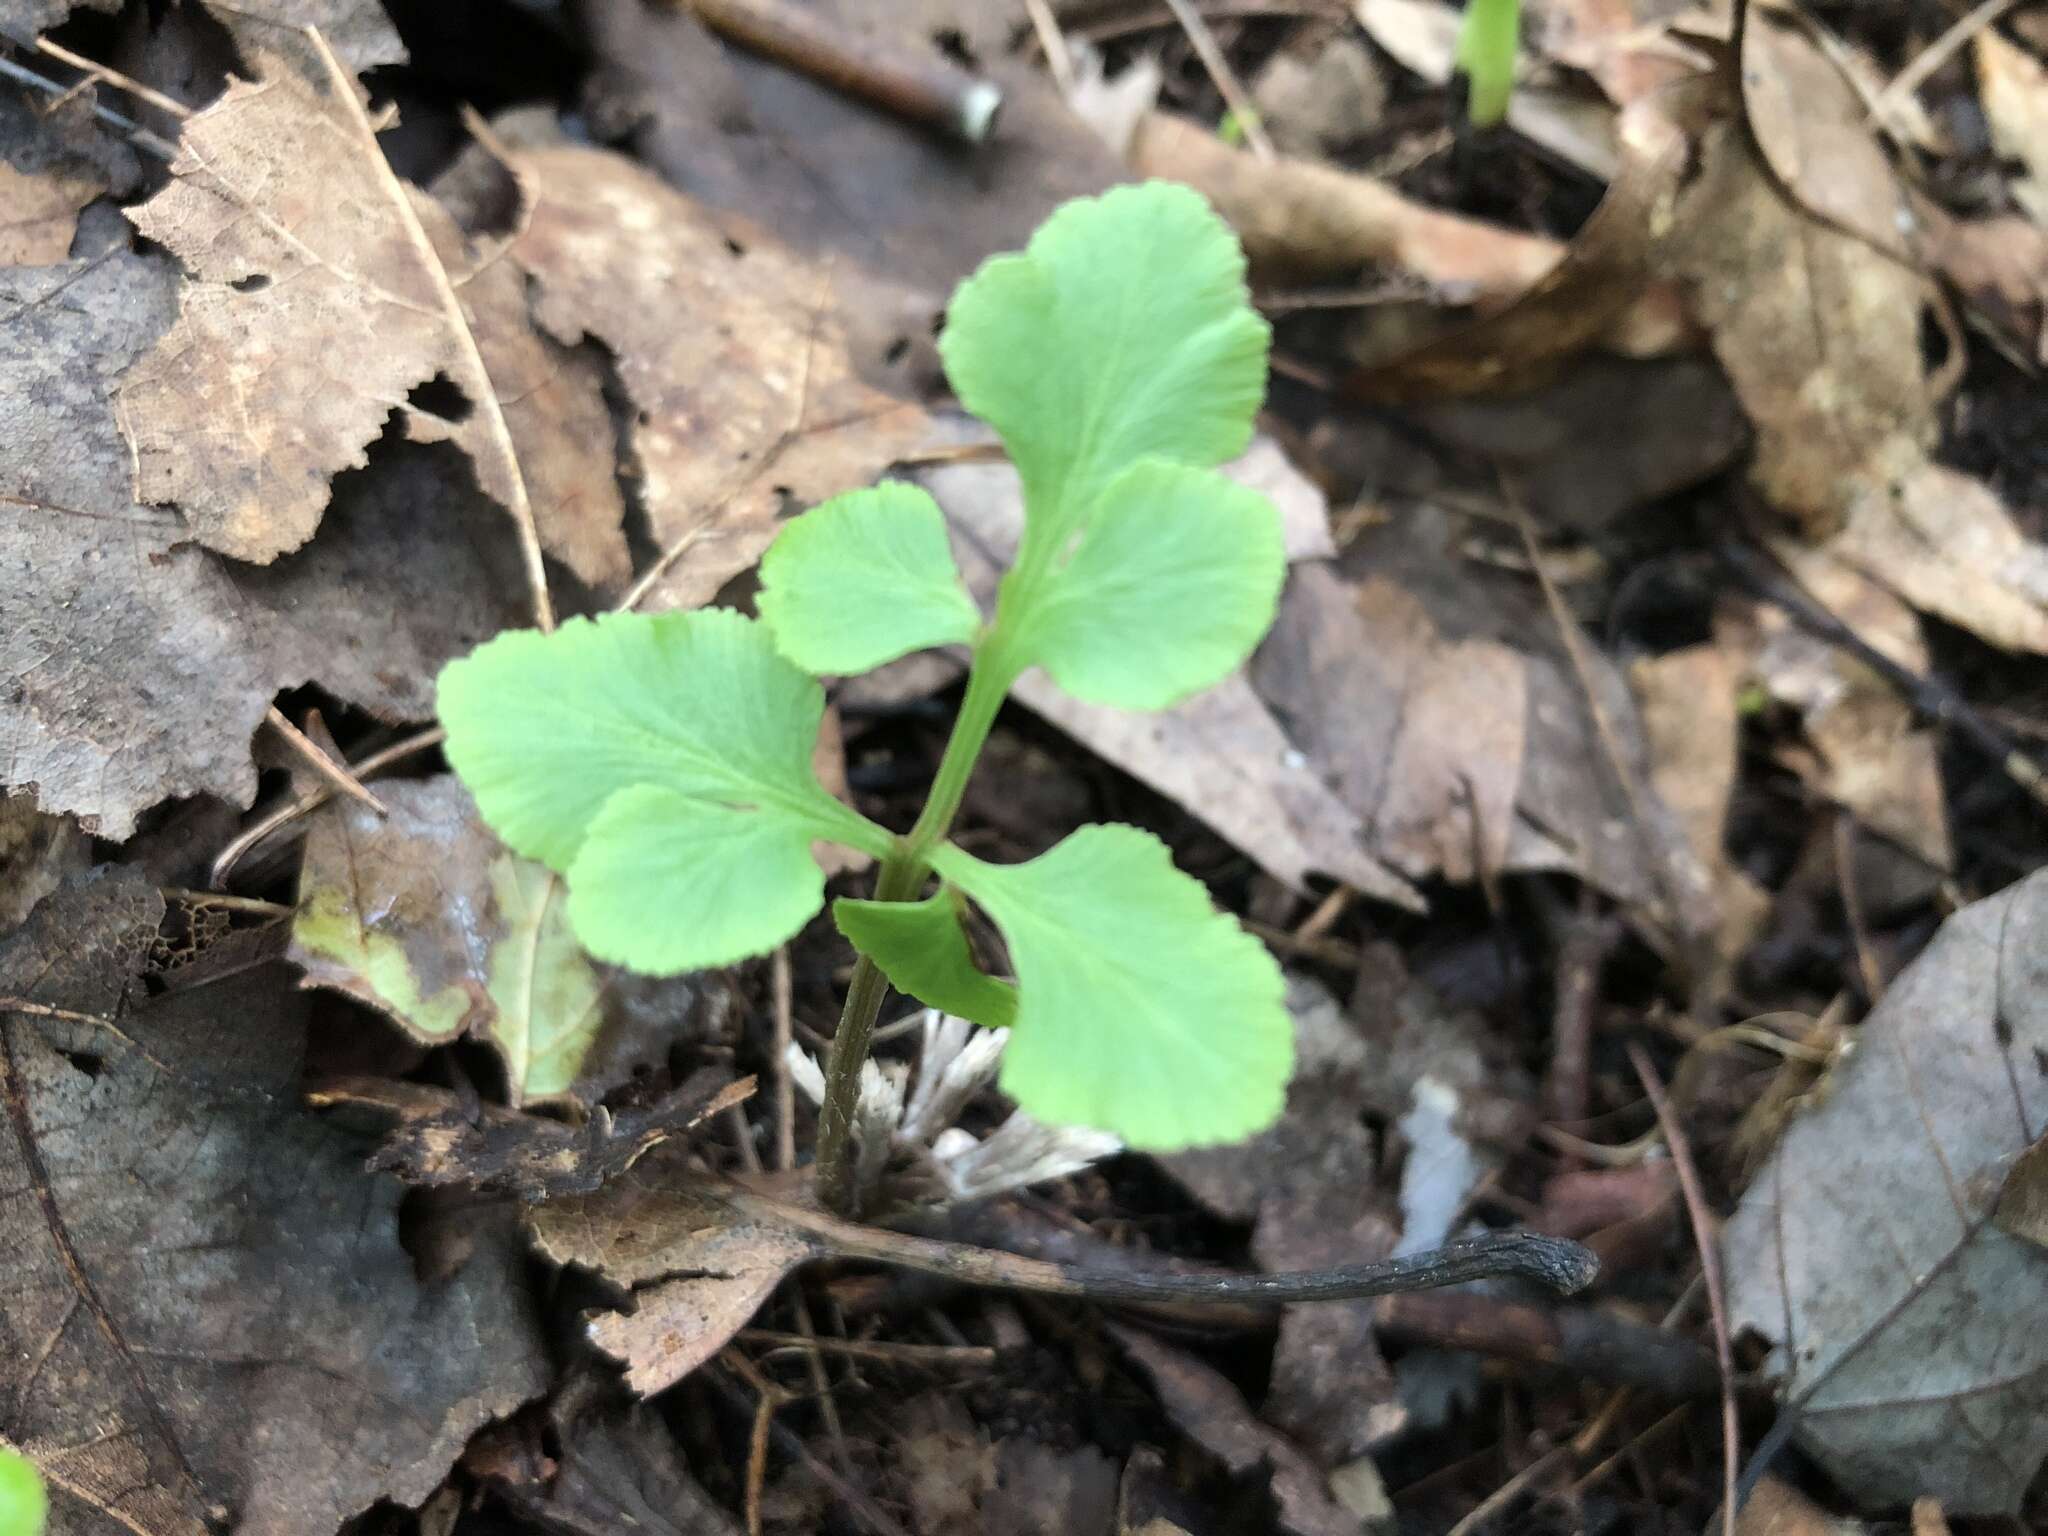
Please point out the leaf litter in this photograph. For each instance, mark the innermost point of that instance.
(662, 352)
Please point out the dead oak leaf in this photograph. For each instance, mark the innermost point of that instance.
(1904, 1320)
(209, 1319)
(729, 349)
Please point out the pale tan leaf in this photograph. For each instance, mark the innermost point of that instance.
(2013, 86)
(729, 348)
(1905, 1322)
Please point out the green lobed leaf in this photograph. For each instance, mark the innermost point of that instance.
(1170, 588)
(1122, 331)
(865, 578)
(1141, 1008)
(548, 999)
(922, 949)
(23, 1503)
(663, 764)
(665, 883)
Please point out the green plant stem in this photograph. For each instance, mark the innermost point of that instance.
(901, 878)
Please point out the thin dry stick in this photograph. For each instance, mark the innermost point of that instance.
(877, 1351)
(1225, 77)
(487, 406)
(315, 797)
(1052, 42)
(1710, 1268)
(767, 1398)
(785, 1159)
(1852, 904)
(779, 984)
(1934, 55)
(115, 78)
(1603, 728)
(132, 131)
(334, 773)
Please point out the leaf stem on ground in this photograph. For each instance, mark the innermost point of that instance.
(902, 879)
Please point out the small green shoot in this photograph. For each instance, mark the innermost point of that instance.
(1488, 38)
(23, 1504)
(662, 764)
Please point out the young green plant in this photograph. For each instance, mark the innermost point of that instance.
(1488, 36)
(23, 1503)
(662, 763)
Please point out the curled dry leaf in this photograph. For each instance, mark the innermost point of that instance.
(1213, 1413)
(142, 667)
(210, 1320)
(1819, 331)
(1462, 755)
(729, 348)
(1904, 1320)
(697, 1265)
(425, 917)
(1603, 279)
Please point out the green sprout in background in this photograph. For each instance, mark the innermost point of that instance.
(23, 1503)
(1487, 41)
(662, 763)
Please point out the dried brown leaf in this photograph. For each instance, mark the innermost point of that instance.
(1605, 274)
(2023, 1199)
(728, 346)
(1815, 134)
(2012, 85)
(1819, 331)
(1905, 1322)
(1212, 1413)
(142, 666)
(210, 1319)
(316, 303)
(1461, 753)
(1873, 757)
(697, 1266)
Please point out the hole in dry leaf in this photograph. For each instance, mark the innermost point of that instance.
(734, 246)
(441, 396)
(255, 282)
(88, 1062)
(893, 353)
(952, 42)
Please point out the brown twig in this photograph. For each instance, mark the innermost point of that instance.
(1933, 56)
(854, 1500)
(1704, 1236)
(1218, 67)
(1052, 42)
(1588, 940)
(1844, 839)
(132, 131)
(336, 774)
(1580, 1340)
(113, 77)
(225, 861)
(1562, 1265)
(488, 409)
(877, 1351)
(1931, 697)
(921, 88)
